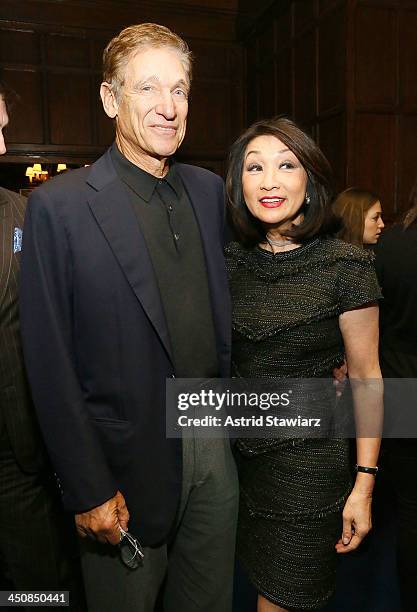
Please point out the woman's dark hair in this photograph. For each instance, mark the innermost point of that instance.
(318, 217)
(410, 216)
(351, 205)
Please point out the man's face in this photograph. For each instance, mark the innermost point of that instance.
(152, 111)
(4, 120)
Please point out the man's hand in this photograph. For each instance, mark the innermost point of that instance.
(102, 523)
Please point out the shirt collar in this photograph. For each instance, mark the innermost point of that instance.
(143, 183)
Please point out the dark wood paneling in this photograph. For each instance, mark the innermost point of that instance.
(332, 60)
(267, 42)
(26, 123)
(304, 14)
(97, 47)
(408, 60)
(305, 77)
(284, 84)
(266, 93)
(69, 105)
(375, 157)
(209, 122)
(190, 21)
(283, 29)
(332, 141)
(407, 158)
(375, 64)
(67, 51)
(326, 4)
(210, 60)
(19, 46)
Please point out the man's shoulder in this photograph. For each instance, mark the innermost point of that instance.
(7, 196)
(62, 183)
(198, 173)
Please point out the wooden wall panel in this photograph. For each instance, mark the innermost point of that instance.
(332, 61)
(304, 14)
(408, 60)
(69, 106)
(267, 43)
(352, 79)
(251, 80)
(208, 125)
(67, 51)
(305, 78)
(407, 159)
(284, 29)
(376, 61)
(19, 46)
(26, 120)
(266, 92)
(375, 157)
(284, 87)
(332, 141)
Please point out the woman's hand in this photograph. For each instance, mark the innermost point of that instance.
(357, 521)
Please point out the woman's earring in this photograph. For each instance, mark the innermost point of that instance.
(307, 199)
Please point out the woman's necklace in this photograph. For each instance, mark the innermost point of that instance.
(278, 243)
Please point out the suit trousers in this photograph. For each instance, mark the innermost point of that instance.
(37, 540)
(193, 571)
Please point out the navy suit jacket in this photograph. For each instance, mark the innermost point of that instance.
(96, 341)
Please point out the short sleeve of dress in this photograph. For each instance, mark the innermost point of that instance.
(357, 280)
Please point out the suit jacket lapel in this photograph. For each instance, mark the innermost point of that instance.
(113, 212)
(6, 242)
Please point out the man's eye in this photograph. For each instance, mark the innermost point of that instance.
(181, 93)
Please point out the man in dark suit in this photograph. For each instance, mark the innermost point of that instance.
(36, 548)
(123, 287)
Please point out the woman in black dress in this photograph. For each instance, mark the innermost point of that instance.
(301, 301)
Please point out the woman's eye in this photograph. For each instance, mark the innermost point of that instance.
(254, 168)
(287, 165)
(146, 88)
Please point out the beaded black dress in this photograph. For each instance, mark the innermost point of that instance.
(285, 324)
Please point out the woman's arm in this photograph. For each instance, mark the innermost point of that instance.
(359, 329)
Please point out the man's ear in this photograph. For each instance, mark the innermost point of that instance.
(108, 99)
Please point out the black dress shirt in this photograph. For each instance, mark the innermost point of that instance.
(167, 221)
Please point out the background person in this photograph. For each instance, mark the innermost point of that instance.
(300, 302)
(396, 266)
(361, 215)
(37, 542)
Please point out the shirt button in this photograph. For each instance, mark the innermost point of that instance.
(176, 236)
(169, 207)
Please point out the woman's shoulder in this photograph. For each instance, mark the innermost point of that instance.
(339, 250)
(235, 254)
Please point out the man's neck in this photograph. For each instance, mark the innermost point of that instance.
(155, 166)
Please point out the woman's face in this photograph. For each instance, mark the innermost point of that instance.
(373, 224)
(274, 182)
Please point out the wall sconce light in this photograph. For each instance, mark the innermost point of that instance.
(61, 167)
(30, 173)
